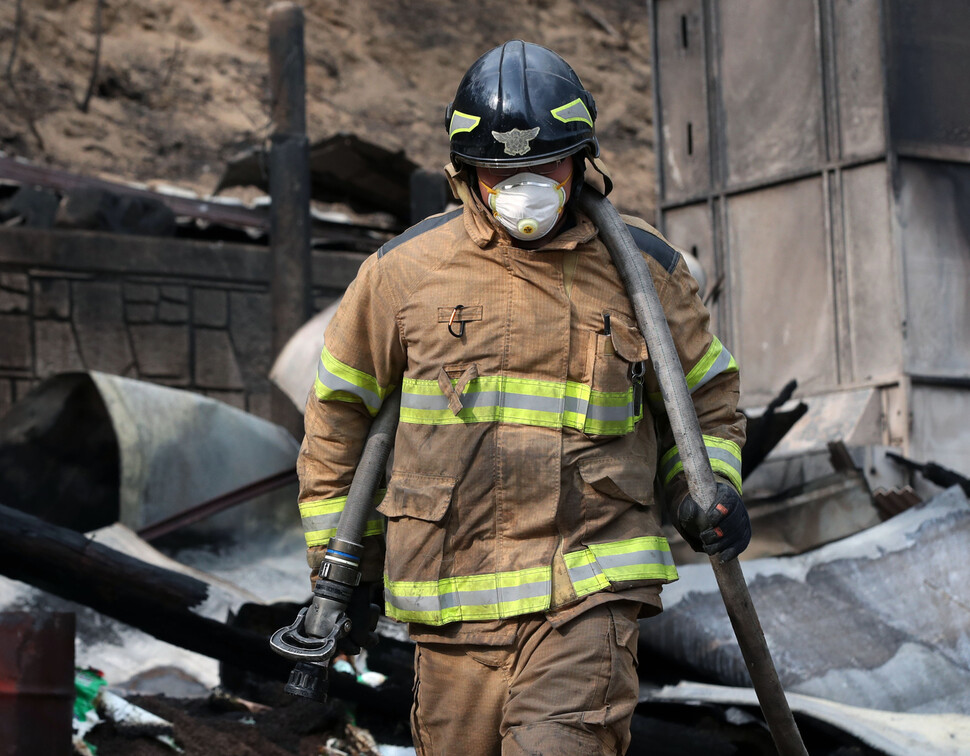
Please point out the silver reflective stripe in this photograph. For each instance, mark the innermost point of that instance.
(598, 412)
(577, 405)
(575, 111)
(321, 522)
(456, 598)
(720, 365)
(634, 558)
(462, 122)
(474, 399)
(584, 572)
(510, 400)
(714, 452)
(336, 383)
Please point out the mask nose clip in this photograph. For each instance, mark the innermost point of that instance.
(461, 323)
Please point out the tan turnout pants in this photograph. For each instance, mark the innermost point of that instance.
(553, 691)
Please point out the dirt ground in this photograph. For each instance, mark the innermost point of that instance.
(182, 84)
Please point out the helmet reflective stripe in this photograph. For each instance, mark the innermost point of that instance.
(573, 111)
(462, 122)
(515, 89)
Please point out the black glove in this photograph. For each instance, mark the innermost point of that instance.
(730, 529)
(363, 618)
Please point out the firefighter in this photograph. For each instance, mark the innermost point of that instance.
(522, 532)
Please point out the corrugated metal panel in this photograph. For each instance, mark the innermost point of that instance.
(683, 98)
(859, 76)
(876, 620)
(690, 229)
(781, 284)
(771, 88)
(934, 225)
(874, 319)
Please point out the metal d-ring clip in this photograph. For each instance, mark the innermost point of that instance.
(461, 323)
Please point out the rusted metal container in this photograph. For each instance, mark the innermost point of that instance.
(36, 683)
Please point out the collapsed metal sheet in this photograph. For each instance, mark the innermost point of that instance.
(83, 450)
(893, 733)
(879, 619)
(296, 366)
(179, 449)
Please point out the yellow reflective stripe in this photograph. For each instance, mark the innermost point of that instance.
(320, 519)
(508, 594)
(469, 598)
(600, 564)
(337, 381)
(547, 404)
(573, 111)
(584, 572)
(462, 122)
(724, 456)
(715, 361)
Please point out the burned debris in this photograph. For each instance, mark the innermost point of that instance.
(146, 466)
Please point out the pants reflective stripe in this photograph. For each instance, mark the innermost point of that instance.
(508, 594)
(340, 382)
(724, 456)
(320, 519)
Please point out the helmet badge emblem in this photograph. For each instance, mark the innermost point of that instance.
(516, 141)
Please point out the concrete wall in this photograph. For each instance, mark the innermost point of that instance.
(193, 315)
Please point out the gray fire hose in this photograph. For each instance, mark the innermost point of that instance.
(636, 278)
(311, 640)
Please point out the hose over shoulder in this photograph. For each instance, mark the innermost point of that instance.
(643, 296)
(635, 273)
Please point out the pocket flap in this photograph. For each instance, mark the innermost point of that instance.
(627, 340)
(417, 495)
(464, 315)
(624, 478)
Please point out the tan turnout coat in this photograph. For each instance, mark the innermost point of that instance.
(527, 448)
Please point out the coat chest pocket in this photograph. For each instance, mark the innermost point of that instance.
(618, 356)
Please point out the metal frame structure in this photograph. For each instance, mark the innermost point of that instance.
(814, 155)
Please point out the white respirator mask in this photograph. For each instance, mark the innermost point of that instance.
(527, 204)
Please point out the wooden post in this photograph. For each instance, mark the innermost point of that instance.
(289, 187)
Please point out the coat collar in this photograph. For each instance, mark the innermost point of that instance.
(484, 230)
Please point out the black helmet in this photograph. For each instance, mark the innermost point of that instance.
(518, 105)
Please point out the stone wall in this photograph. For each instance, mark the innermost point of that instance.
(193, 315)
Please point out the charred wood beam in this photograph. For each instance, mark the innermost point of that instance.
(289, 187)
(153, 599)
(53, 178)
